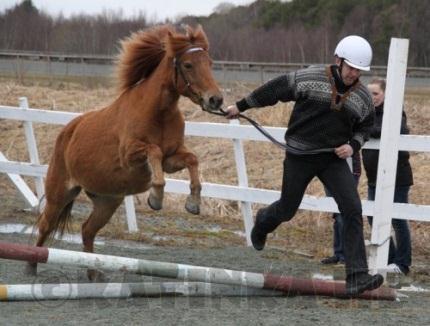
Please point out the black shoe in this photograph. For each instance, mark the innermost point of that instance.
(330, 260)
(258, 238)
(358, 283)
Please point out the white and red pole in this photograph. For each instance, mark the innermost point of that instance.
(287, 284)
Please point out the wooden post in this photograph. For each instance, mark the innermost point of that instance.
(32, 148)
(388, 154)
(20, 184)
(130, 211)
(242, 176)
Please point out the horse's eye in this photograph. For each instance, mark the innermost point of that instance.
(188, 65)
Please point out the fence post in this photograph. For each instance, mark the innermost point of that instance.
(32, 148)
(20, 184)
(246, 209)
(261, 75)
(130, 211)
(388, 154)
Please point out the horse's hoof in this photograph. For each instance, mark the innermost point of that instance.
(192, 207)
(30, 269)
(156, 205)
(96, 276)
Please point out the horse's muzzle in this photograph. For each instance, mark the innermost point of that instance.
(213, 103)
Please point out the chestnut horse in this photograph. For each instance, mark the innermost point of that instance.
(126, 147)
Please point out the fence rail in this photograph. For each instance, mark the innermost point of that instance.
(226, 131)
(243, 66)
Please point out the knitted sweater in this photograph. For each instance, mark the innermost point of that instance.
(313, 125)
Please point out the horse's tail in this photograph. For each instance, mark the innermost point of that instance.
(61, 223)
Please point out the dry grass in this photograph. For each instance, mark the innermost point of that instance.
(309, 230)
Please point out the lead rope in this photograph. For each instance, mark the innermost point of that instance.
(256, 125)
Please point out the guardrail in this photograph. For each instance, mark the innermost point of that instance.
(244, 66)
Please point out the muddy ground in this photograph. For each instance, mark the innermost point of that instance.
(412, 308)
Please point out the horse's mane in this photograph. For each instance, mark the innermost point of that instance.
(143, 51)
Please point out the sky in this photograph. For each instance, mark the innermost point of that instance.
(157, 9)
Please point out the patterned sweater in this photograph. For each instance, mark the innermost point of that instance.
(313, 125)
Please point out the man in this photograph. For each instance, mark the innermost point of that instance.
(331, 119)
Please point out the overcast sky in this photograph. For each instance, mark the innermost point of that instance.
(158, 9)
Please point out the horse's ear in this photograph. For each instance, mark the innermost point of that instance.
(168, 44)
(200, 38)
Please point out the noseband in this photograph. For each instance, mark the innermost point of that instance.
(180, 71)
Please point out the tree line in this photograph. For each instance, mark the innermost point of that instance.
(266, 30)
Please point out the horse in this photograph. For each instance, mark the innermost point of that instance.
(125, 148)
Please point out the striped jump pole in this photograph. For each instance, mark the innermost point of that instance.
(287, 284)
(74, 291)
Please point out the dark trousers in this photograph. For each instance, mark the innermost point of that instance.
(336, 176)
(400, 254)
(338, 228)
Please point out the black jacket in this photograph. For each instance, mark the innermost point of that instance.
(370, 156)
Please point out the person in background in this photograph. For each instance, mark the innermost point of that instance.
(338, 241)
(331, 119)
(400, 254)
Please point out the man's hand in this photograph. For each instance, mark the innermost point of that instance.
(344, 151)
(232, 112)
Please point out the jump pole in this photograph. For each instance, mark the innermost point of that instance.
(289, 285)
(74, 291)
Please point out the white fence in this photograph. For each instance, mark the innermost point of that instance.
(383, 209)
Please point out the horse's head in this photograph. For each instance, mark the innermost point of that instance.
(192, 64)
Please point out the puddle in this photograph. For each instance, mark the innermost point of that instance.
(215, 229)
(27, 229)
(413, 288)
(240, 233)
(323, 277)
(74, 238)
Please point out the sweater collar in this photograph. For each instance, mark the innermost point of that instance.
(340, 85)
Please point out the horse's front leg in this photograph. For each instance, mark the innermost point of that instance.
(136, 153)
(183, 158)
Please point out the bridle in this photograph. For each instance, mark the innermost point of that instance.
(179, 71)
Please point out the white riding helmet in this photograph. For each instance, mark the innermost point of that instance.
(356, 52)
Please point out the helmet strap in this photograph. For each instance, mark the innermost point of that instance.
(338, 100)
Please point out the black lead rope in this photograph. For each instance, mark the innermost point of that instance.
(257, 126)
(266, 134)
(263, 131)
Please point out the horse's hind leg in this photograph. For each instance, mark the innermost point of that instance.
(183, 158)
(104, 207)
(54, 216)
